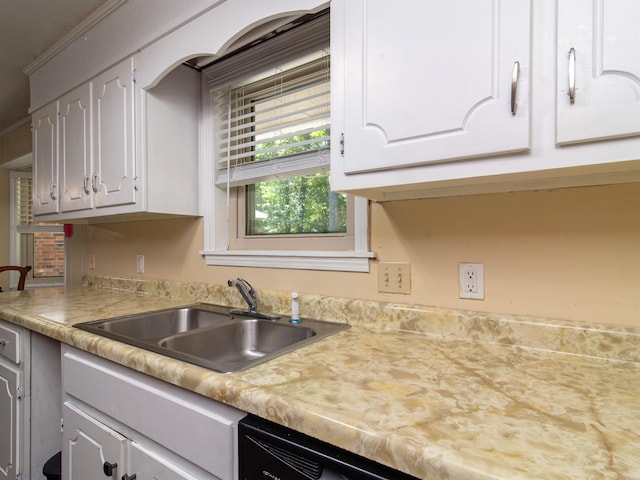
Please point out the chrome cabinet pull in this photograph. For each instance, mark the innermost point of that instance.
(515, 77)
(52, 193)
(87, 181)
(572, 75)
(95, 183)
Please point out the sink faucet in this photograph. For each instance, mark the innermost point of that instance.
(250, 296)
(247, 292)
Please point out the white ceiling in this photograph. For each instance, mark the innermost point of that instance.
(28, 28)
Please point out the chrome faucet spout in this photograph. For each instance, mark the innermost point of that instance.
(247, 292)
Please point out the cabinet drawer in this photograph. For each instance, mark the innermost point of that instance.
(200, 430)
(10, 343)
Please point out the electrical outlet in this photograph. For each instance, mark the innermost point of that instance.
(471, 277)
(140, 264)
(394, 277)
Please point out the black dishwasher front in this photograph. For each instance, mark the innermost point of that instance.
(268, 451)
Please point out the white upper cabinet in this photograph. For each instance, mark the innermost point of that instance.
(431, 81)
(598, 70)
(75, 149)
(423, 93)
(118, 149)
(113, 143)
(44, 125)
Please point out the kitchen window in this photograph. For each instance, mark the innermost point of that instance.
(38, 244)
(267, 111)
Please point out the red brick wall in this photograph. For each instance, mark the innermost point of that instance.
(49, 254)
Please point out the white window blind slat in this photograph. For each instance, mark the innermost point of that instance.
(279, 117)
(242, 122)
(262, 132)
(24, 211)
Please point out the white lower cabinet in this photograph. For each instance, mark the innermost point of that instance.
(29, 402)
(10, 419)
(149, 464)
(94, 450)
(122, 424)
(91, 448)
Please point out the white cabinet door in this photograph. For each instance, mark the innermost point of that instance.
(10, 424)
(148, 464)
(605, 39)
(113, 114)
(89, 446)
(75, 149)
(429, 81)
(45, 159)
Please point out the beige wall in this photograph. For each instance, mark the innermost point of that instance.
(572, 253)
(15, 147)
(4, 229)
(4, 217)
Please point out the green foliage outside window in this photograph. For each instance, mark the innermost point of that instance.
(296, 205)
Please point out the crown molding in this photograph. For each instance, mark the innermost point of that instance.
(74, 34)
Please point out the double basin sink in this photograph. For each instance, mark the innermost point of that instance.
(212, 336)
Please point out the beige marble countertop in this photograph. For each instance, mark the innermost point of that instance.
(433, 404)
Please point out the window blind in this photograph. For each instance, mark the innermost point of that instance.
(23, 201)
(273, 121)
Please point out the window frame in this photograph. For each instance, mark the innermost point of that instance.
(16, 230)
(219, 207)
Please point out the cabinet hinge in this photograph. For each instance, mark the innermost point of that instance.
(134, 75)
(342, 144)
(19, 392)
(135, 183)
(61, 424)
(19, 476)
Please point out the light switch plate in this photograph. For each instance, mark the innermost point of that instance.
(394, 277)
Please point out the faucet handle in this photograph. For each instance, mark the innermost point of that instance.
(252, 292)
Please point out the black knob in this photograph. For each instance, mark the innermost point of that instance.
(108, 468)
(127, 477)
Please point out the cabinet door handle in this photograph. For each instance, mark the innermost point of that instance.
(3, 343)
(515, 77)
(94, 183)
(87, 188)
(127, 477)
(572, 75)
(108, 468)
(52, 193)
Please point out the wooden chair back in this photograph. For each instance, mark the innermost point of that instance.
(23, 274)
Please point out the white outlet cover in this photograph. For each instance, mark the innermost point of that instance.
(471, 280)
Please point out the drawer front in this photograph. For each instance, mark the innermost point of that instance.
(9, 343)
(200, 430)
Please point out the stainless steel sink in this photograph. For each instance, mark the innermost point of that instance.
(212, 336)
(158, 325)
(230, 347)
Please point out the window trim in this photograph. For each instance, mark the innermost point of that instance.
(215, 208)
(356, 260)
(15, 230)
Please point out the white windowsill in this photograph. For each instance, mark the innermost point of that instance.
(347, 261)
